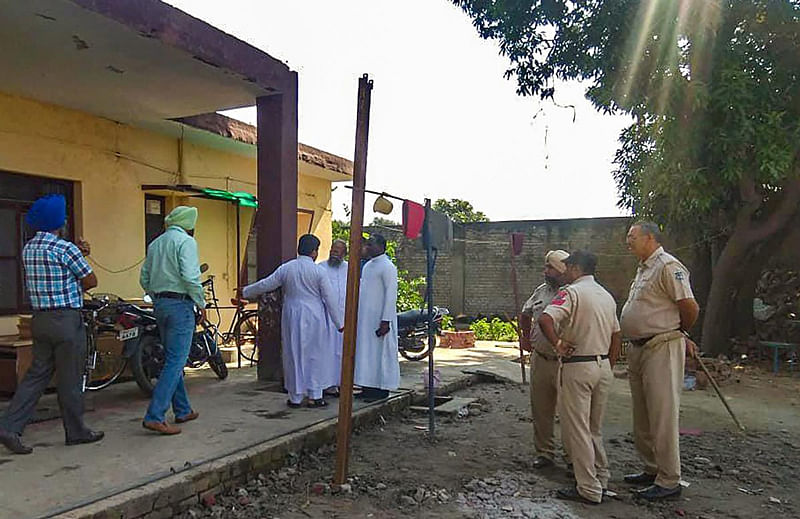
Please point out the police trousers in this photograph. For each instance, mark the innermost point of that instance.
(584, 394)
(655, 373)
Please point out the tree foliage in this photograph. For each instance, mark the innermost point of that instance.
(340, 231)
(459, 211)
(409, 289)
(384, 222)
(712, 88)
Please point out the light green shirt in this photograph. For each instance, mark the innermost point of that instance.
(172, 265)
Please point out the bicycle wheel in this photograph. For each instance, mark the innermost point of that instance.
(108, 369)
(89, 360)
(246, 335)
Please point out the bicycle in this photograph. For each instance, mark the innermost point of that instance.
(98, 317)
(243, 327)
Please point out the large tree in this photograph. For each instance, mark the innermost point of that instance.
(459, 211)
(712, 89)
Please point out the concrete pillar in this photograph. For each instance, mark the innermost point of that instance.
(276, 219)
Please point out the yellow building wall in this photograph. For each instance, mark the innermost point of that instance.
(109, 162)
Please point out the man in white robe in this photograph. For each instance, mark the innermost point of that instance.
(307, 298)
(377, 368)
(336, 269)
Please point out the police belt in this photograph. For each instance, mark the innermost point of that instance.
(641, 342)
(583, 358)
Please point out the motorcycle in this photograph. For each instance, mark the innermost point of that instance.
(140, 335)
(412, 331)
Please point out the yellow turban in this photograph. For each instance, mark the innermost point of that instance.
(555, 258)
(182, 216)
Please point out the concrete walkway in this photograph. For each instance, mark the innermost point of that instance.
(235, 415)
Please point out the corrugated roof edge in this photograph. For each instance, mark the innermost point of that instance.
(248, 134)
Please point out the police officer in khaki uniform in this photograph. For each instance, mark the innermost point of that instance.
(660, 307)
(544, 362)
(588, 342)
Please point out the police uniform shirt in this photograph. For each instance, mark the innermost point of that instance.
(587, 316)
(661, 281)
(534, 307)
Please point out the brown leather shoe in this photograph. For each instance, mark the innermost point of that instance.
(188, 418)
(161, 427)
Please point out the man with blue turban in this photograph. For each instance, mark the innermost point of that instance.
(171, 276)
(56, 275)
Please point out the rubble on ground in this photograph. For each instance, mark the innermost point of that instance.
(509, 495)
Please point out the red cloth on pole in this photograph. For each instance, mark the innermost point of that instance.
(517, 238)
(413, 219)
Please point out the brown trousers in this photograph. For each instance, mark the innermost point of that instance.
(544, 396)
(655, 372)
(584, 393)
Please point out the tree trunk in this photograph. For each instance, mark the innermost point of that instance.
(717, 322)
(750, 231)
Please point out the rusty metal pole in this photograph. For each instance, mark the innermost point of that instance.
(515, 290)
(431, 338)
(345, 423)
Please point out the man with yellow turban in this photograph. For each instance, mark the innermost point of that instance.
(171, 276)
(544, 362)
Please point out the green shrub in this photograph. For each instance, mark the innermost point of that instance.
(494, 330)
(482, 329)
(447, 323)
(409, 291)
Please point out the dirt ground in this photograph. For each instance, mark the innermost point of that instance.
(480, 464)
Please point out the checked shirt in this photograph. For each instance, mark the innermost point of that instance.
(53, 270)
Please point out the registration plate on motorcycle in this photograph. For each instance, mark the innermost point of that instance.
(130, 333)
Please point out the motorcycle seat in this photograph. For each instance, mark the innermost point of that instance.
(411, 318)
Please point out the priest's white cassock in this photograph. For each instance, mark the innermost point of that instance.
(307, 298)
(337, 275)
(377, 365)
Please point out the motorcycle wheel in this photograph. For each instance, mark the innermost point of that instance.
(218, 365)
(147, 362)
(415, 355)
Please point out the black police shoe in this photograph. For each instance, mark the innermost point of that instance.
(572, 494)
(642, 478)
(655, 492)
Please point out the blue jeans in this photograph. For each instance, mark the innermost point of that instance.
(176, 324)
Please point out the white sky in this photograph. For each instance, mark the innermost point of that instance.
(444, 123)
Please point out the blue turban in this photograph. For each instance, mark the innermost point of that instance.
(47, 213)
